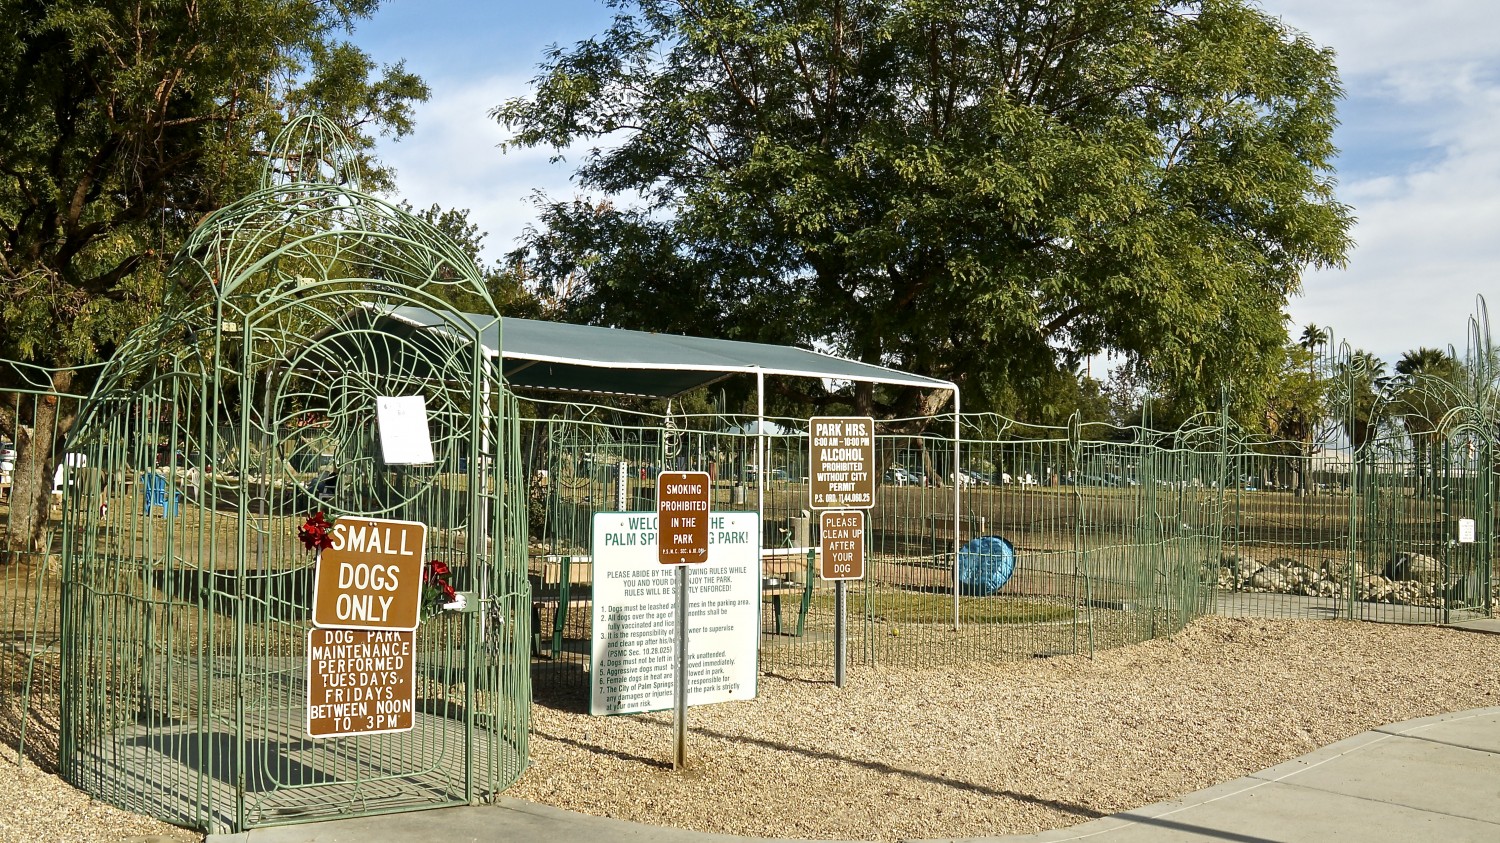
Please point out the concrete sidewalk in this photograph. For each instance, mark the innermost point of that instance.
(1437, 778)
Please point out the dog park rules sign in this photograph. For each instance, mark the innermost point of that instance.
(635, 623)
(360, 682)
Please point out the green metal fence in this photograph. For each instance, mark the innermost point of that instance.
(1121, 535)
(31, 412)
(1116, 541)
(165, 609)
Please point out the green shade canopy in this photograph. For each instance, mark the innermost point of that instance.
(584, 358)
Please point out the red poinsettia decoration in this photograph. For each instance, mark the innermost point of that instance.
(437, 589)
(315, 532)
(436, 576)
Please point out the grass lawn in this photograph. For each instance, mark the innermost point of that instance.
(933, 607)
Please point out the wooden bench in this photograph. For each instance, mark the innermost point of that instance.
(784, 566)
(558, 580)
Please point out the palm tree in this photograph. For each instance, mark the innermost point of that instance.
(1313, 337)
(1423, 392)
(1363, 380)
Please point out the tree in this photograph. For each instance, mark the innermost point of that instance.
(124, 124)
(1422, 393)
(1296, 408)
(510, 295)
(1361, 385)
(980, 191)
(1313, 337)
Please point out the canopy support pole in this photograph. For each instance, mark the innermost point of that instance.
(760, 449)
(957, 495)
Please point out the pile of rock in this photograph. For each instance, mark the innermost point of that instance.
(1410, 578)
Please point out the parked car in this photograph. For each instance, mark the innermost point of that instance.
(969, 476)
(752, 472)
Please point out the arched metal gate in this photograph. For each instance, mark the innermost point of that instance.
(213, 435)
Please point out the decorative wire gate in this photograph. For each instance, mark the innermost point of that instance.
(185, 594)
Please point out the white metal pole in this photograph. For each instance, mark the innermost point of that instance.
(760, 449)
(957, 484)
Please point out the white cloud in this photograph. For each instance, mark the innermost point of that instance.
(453, 159)
(1373, 36)
(1420, 169)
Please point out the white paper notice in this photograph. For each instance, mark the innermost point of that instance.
(1466, 530)
(404, 436)
(635, 615)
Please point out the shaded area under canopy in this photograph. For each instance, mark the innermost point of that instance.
(615, 361)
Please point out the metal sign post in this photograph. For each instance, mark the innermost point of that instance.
(841, 462)
(843, 559)
(682, 500)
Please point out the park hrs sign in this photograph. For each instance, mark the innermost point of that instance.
(361, 655)
(841, 461)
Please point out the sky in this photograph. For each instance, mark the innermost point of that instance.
(1419, 139)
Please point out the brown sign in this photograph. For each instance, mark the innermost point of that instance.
(371, 578)
(843, 556)
(841, 462)
(360, 682)
(682, 516)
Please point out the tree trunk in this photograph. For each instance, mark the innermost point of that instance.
(864, 399)
(36, 464)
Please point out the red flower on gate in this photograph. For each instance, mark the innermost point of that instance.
(437, 589)
(315, 532)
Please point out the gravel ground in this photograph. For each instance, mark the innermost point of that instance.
(995, 749)
(38, 807)
(1008, 748)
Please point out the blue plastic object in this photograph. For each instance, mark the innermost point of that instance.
(985, 565)
(156, 493)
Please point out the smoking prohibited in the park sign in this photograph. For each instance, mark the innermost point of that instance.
(682, 516)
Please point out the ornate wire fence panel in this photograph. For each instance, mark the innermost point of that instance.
(1113, 542)
(1372, 537)
(34, 471)
(187, 595)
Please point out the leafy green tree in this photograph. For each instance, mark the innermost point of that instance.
(976, 190)
(1297, 406)
(510, 295)
(125, 123)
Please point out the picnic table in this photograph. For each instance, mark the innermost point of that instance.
(568, 580)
